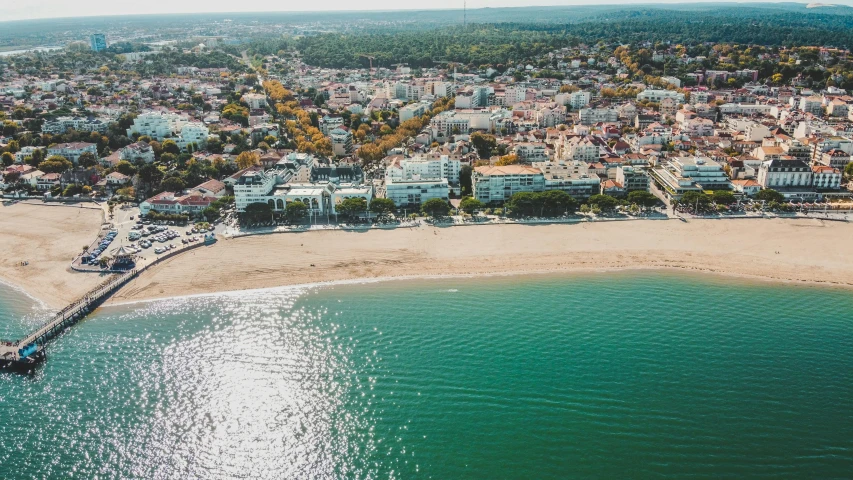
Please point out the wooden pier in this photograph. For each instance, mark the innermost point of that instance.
(29, 351)
(26, 353)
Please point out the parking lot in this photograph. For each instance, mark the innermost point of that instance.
(145, 239)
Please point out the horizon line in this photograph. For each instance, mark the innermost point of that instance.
(571, 3)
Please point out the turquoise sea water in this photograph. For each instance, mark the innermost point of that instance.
(628, 375)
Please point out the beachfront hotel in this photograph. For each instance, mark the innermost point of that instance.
(277, 188)
(493, 184)
(685, 174)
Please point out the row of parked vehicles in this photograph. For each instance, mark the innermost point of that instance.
(92, 257)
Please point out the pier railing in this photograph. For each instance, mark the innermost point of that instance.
(72, 313)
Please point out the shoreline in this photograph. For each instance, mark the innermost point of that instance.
(580, 271)
(745, 249)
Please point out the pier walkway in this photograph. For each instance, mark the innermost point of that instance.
(30, 350)
(16, 351)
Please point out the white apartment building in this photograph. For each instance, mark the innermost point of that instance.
(838, 108)
(156, 125)
(414, 110)
(572, 177)
(253, 187)
(442, 89)
(672, 81)
(651, 95)
(684, 174)
(551, 116)
(72, 151)
(26, 153)
(473, 97)
(497, 184)
(425, 168)
(63, 124)
(584, 148)
(812, 104)
(826, 178)
(632, 178)
(578, 100)
(327, 124)
(531, 151)
(575, 100)
(405, 91)
(255, 100)
(515, 94)
(591, 116)
(451, 122)
(778, 174)
(193, 133)
(341, 141)
(408, 193)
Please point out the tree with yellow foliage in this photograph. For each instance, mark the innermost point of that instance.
(510, 159)
(247, 159)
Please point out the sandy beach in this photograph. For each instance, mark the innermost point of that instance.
(47, 237)
(808, 251)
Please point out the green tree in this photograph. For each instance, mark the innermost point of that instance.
(87, 159)
(642, 198)
(435, 207)
(125, 168)
(848, 170)
(605, 202)
(352, 207)
(55, 164)
(36, 158)
(484, 144)
(258, 212)
(173, 184)
(296, 210)
(695, 200)
(210, 213)
(169, 159)
(470, 205)
(169, 146)
(724, 197)
(769, 195)
(149, 174)
(555, 203)
(382, 206)
(7, 159)
(465, 179)
(525, 204)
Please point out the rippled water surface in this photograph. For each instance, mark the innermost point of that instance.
(603, 375)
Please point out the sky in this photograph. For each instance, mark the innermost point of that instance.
(29, 9)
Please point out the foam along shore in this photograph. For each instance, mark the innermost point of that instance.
(38, 243)
(801, 250)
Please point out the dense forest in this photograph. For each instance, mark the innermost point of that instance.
(502, 43)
